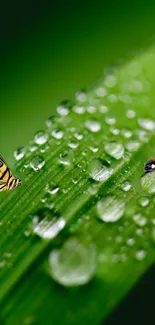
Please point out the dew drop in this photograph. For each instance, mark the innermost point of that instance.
(63, 108)
(98, 170)
(50, 121)
(130, 114)
(41, 137)
(148, 182)
(73, 143)
(93, 149)
(143, 201)
(19, 153)
(91, 109)
(126, 133)
(74, 264)
(52, 189)
(37, 162)
(78, 136)
(140, 255)
(93, 126)
(146, 124)
(101, 92)
(46, 225)
(58, 134)
(103, 109)
(81, 96)
(140, 220)
(110, 120)
(110, 209)
(114, 149)
(130, 242)
(79, 109)
(33, 148)
(110, 81)
(126, 186)
(66, 157)
(133, 145)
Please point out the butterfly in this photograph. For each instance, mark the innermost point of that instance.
(7, 180)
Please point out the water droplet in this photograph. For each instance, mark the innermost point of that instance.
(19, 153)
(63, 108)
(146, 124)
(98, 170)
(33, 148)
(79, 109)
(133, 145)
(41, 137)
(37, 162)
(78, 136)
(74, 264)
(73, 143)
(110, 209)
(112, 98)
(148, 182)
(139, 219)
(126, 186)
(114, 149)
(143, 201)
(110, 120)
(130, 241)
(74, 180)
(93, 149)
(58, 134)
(110, 81)
(50, 121)
(81, 96)
(91, 109)
(130, 114)
(101, 92)
(52, 189)
(103, 109)
(66, 157)
(126, 133)
(46, 225)
(114, 131)
(140, 255)
(93, 126)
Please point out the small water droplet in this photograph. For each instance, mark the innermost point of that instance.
(143, 201)
(114, 131)
(63, 108)
(41, 137)
(133, 145)
(58, 134)
(112, 98)
(114, 149)
(50, 121)
(148, 182)
(81, 96)
(99, 170)
(74, 180)
(103, 109)
(19, 153)
(110, 120)
(110, 81)
(46, 225)
(66, 157)
(73, 143)
(142, 135)
(110, 209)
(79, 109)
(91, 109)
(126, 133)
(74, 264)
(78, 136)
(130, 241)
(130, 114)
(93, 149)
(126, 186)
(146, 124)
(93, 126)
(140, 255)
(37, 162)
(101, 92)
(140, 220)
(52, 189)
(33, 148)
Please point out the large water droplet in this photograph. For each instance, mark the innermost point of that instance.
(146, 124)
(98, 170)
(41, 137)
(46, 225)
(110, 209)
(148, 182)
(66, 157)
(19, 153)
(93, 126)
(74, 264)
(37, 162)
(114, 149)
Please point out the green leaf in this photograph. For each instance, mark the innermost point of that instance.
(80, 233)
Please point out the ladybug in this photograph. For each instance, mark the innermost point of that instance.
(149, 166)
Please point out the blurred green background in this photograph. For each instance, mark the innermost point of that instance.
(49, 50)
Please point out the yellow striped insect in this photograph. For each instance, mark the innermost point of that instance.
(7, 180)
